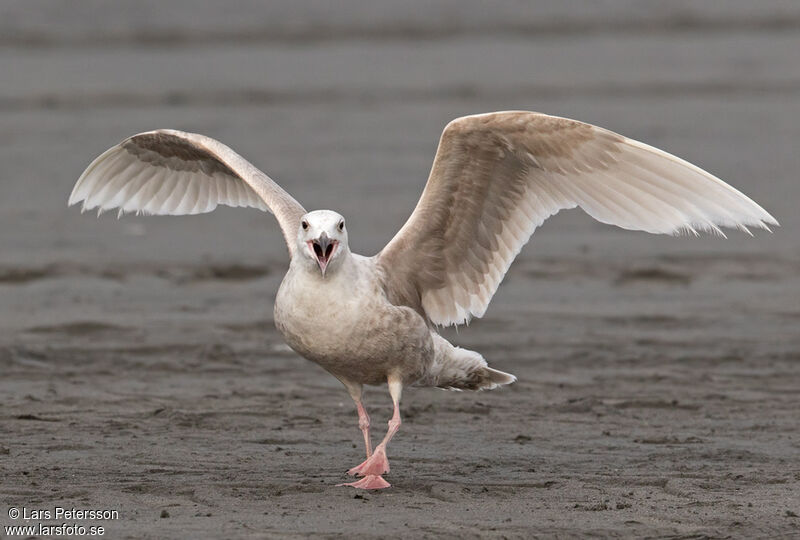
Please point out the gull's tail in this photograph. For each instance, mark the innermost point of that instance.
(455, 368)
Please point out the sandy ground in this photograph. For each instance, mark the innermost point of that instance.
(659, 378)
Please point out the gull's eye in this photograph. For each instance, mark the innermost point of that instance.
(341, 225)
(305, 225)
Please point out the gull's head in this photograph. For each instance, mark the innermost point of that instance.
(322, 239)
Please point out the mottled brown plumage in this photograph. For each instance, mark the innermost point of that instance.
(177, 153)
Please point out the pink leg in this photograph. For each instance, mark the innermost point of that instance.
(363, 425)
(378, 464)
(363, 418)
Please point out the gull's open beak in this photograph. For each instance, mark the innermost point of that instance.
(323, 248)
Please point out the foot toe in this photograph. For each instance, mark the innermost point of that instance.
(376, 465)
(371, 481)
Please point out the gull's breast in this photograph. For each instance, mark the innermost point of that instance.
(349, 328)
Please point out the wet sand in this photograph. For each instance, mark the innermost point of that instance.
(659, 378)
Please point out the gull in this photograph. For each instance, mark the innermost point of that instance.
(496, 177)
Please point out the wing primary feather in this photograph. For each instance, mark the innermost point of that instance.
(655, 216)
(115, 173)
(87, 183)
(700, 216)
(89, 177)
(697, 170)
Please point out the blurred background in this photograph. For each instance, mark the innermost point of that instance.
(342, 104)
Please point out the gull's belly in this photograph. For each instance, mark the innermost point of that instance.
(352, 331)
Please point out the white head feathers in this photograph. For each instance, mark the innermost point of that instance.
(322, 240)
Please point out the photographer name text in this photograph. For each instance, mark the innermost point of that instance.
(59, 512)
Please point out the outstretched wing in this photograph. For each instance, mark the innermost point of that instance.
(170, 172)
(498, 176)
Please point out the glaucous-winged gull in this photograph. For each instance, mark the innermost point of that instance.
(495, 178)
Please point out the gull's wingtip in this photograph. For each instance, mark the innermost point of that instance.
(74, 198)
(770, 221)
